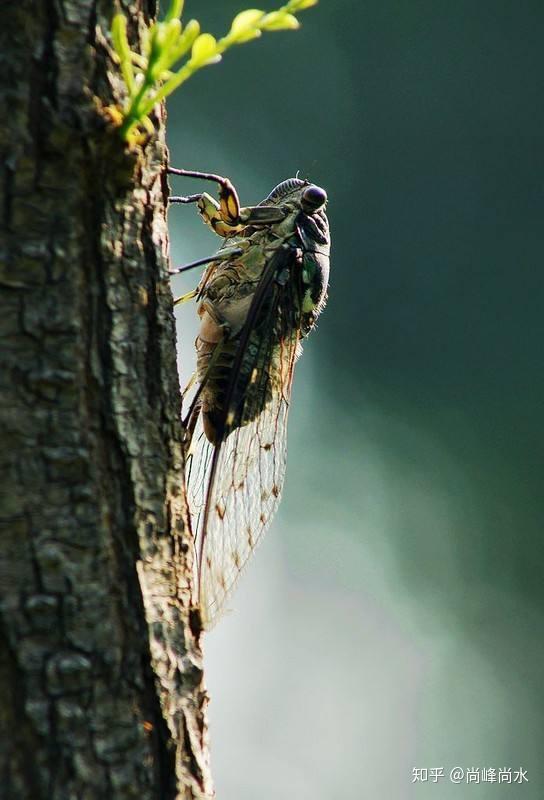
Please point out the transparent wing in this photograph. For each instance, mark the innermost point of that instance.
(234, 487)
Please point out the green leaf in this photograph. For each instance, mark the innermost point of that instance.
(245, 27)
(300, 5)
(174, 29)
(145, 48)
(204, 51)
(175, 11)
(148, 74)
(156, 38)
(246, 20)
(278, 21)
(119, 36)
(164, 53)
(147, 124)
(240, 38)
(172, 34)
(122, 48)
(185, 41)
(138, 60)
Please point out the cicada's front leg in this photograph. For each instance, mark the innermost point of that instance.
(226, 217)
(223, 217)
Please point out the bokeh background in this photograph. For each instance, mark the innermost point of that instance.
(393, 617)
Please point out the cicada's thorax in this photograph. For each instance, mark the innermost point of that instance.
(227, 293)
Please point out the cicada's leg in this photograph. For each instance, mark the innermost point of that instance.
(190, 384)
(185, 297)
(226, 217)
(223, 217)
(223, 255)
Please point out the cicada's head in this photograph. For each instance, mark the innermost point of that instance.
(308, 225)
(305, 203)
(312, 199)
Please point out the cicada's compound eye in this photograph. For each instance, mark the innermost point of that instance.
(313, 198)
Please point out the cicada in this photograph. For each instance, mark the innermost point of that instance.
(259, 297)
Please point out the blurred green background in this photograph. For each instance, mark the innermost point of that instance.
(393, 617)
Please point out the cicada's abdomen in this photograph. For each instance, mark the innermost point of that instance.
(237, 389)
(225, 384)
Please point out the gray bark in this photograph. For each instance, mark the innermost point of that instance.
(101, 684)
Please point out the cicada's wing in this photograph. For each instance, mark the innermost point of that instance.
(234, 487)
(240, 503)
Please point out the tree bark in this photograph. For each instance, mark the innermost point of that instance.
(101, 683)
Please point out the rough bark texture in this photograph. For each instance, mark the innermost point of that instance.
(101, 692)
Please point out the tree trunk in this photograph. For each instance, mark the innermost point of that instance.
(101, 692)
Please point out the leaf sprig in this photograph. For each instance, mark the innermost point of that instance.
(149, 76)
